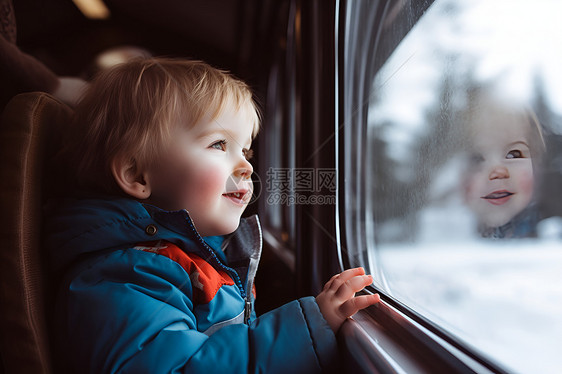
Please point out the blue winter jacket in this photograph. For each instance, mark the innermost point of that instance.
(143, 292)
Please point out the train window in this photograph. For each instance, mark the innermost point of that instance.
(452, 167)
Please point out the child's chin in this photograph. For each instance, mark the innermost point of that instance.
(493, 222)
(226, 229)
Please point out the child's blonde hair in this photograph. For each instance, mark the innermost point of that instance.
(131, 109)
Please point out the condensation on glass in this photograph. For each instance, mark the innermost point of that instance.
(458, 188)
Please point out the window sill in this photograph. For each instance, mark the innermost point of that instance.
(383, 340)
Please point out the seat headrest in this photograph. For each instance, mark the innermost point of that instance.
(31, 129)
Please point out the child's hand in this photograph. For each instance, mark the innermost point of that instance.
(337, 300)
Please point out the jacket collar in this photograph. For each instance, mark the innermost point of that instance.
(77, 227)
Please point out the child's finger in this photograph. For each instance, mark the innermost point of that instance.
(353, 285)
(350, 273)
(352, 306)
(329, 283)
(337, 280)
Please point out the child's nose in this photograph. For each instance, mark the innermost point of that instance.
(499, 172)
(244, 169)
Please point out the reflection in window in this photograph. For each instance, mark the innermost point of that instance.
(464, 130)
(505, 146)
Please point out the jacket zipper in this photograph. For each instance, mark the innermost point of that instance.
(247, 311)
(232, 272)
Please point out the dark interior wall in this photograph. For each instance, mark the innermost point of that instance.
(217, 31)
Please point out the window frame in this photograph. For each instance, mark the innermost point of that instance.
(376, 338)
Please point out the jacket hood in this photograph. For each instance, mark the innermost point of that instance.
(78, 227)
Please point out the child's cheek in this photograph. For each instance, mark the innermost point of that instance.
(470, 187)
(526, 184)
(211, 181)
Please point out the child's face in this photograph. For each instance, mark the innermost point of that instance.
(206, 172)
(499, 183)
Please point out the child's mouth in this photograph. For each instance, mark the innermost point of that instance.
(238, 197)
(498, 197)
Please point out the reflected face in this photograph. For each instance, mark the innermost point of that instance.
(205, 171)
(499, 181)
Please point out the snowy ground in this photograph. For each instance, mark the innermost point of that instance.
(503, 298)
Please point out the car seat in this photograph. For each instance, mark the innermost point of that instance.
(31, 128)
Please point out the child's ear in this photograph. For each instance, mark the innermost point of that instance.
(129, 178)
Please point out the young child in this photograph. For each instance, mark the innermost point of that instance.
(158, 265)
(506, 146)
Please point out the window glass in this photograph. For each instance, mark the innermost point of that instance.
(453, 168)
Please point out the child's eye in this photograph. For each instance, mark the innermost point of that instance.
(515, 153)
(248, 153)
(219, 144)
